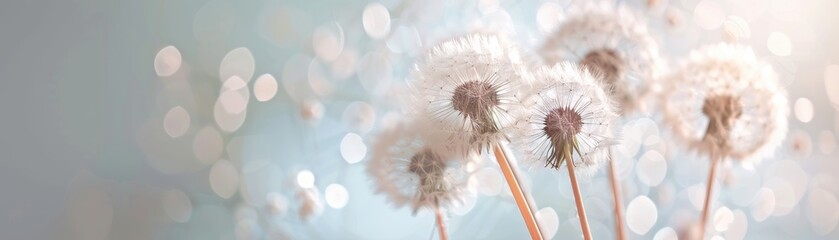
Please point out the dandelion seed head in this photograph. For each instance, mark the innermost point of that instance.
(466, 88)
(411, 168)
(569, 119)
(612, 43)
(724, 100)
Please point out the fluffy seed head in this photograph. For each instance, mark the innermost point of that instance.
(410, 168)
(726, 101)
(466, 87)
(567, 118)
(613, 44)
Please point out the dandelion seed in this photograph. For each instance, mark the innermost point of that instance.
(611, 43)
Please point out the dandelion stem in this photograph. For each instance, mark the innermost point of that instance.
(708, 191)
(581, 211)
(511, 159)
(616, 196)
(441, 227)
(518, 194)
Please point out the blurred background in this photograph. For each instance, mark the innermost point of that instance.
(224, 119)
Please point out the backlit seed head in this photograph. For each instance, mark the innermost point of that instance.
(466, 87)
(566, 120)
(727, 102)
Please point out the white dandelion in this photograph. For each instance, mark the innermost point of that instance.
(410, 167)
(726, 103)
(467, 86)
(569, 122)
(614, 44)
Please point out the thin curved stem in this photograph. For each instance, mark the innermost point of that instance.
(581, 211)
(709, 190)
(441, 226)
(616, 196)
(518, 194)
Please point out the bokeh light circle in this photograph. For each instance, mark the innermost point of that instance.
(177, 205)
(376, 20)
(548, 222)
(641, 215)
(804, 110)
(353, 149)
(779, 44)
(305, 179)
(238, 62)
(336, 196)
(224, 179)
(265, 87)
(176, 122)
(167, 61)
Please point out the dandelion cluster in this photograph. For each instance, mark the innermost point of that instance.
(465, 98)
